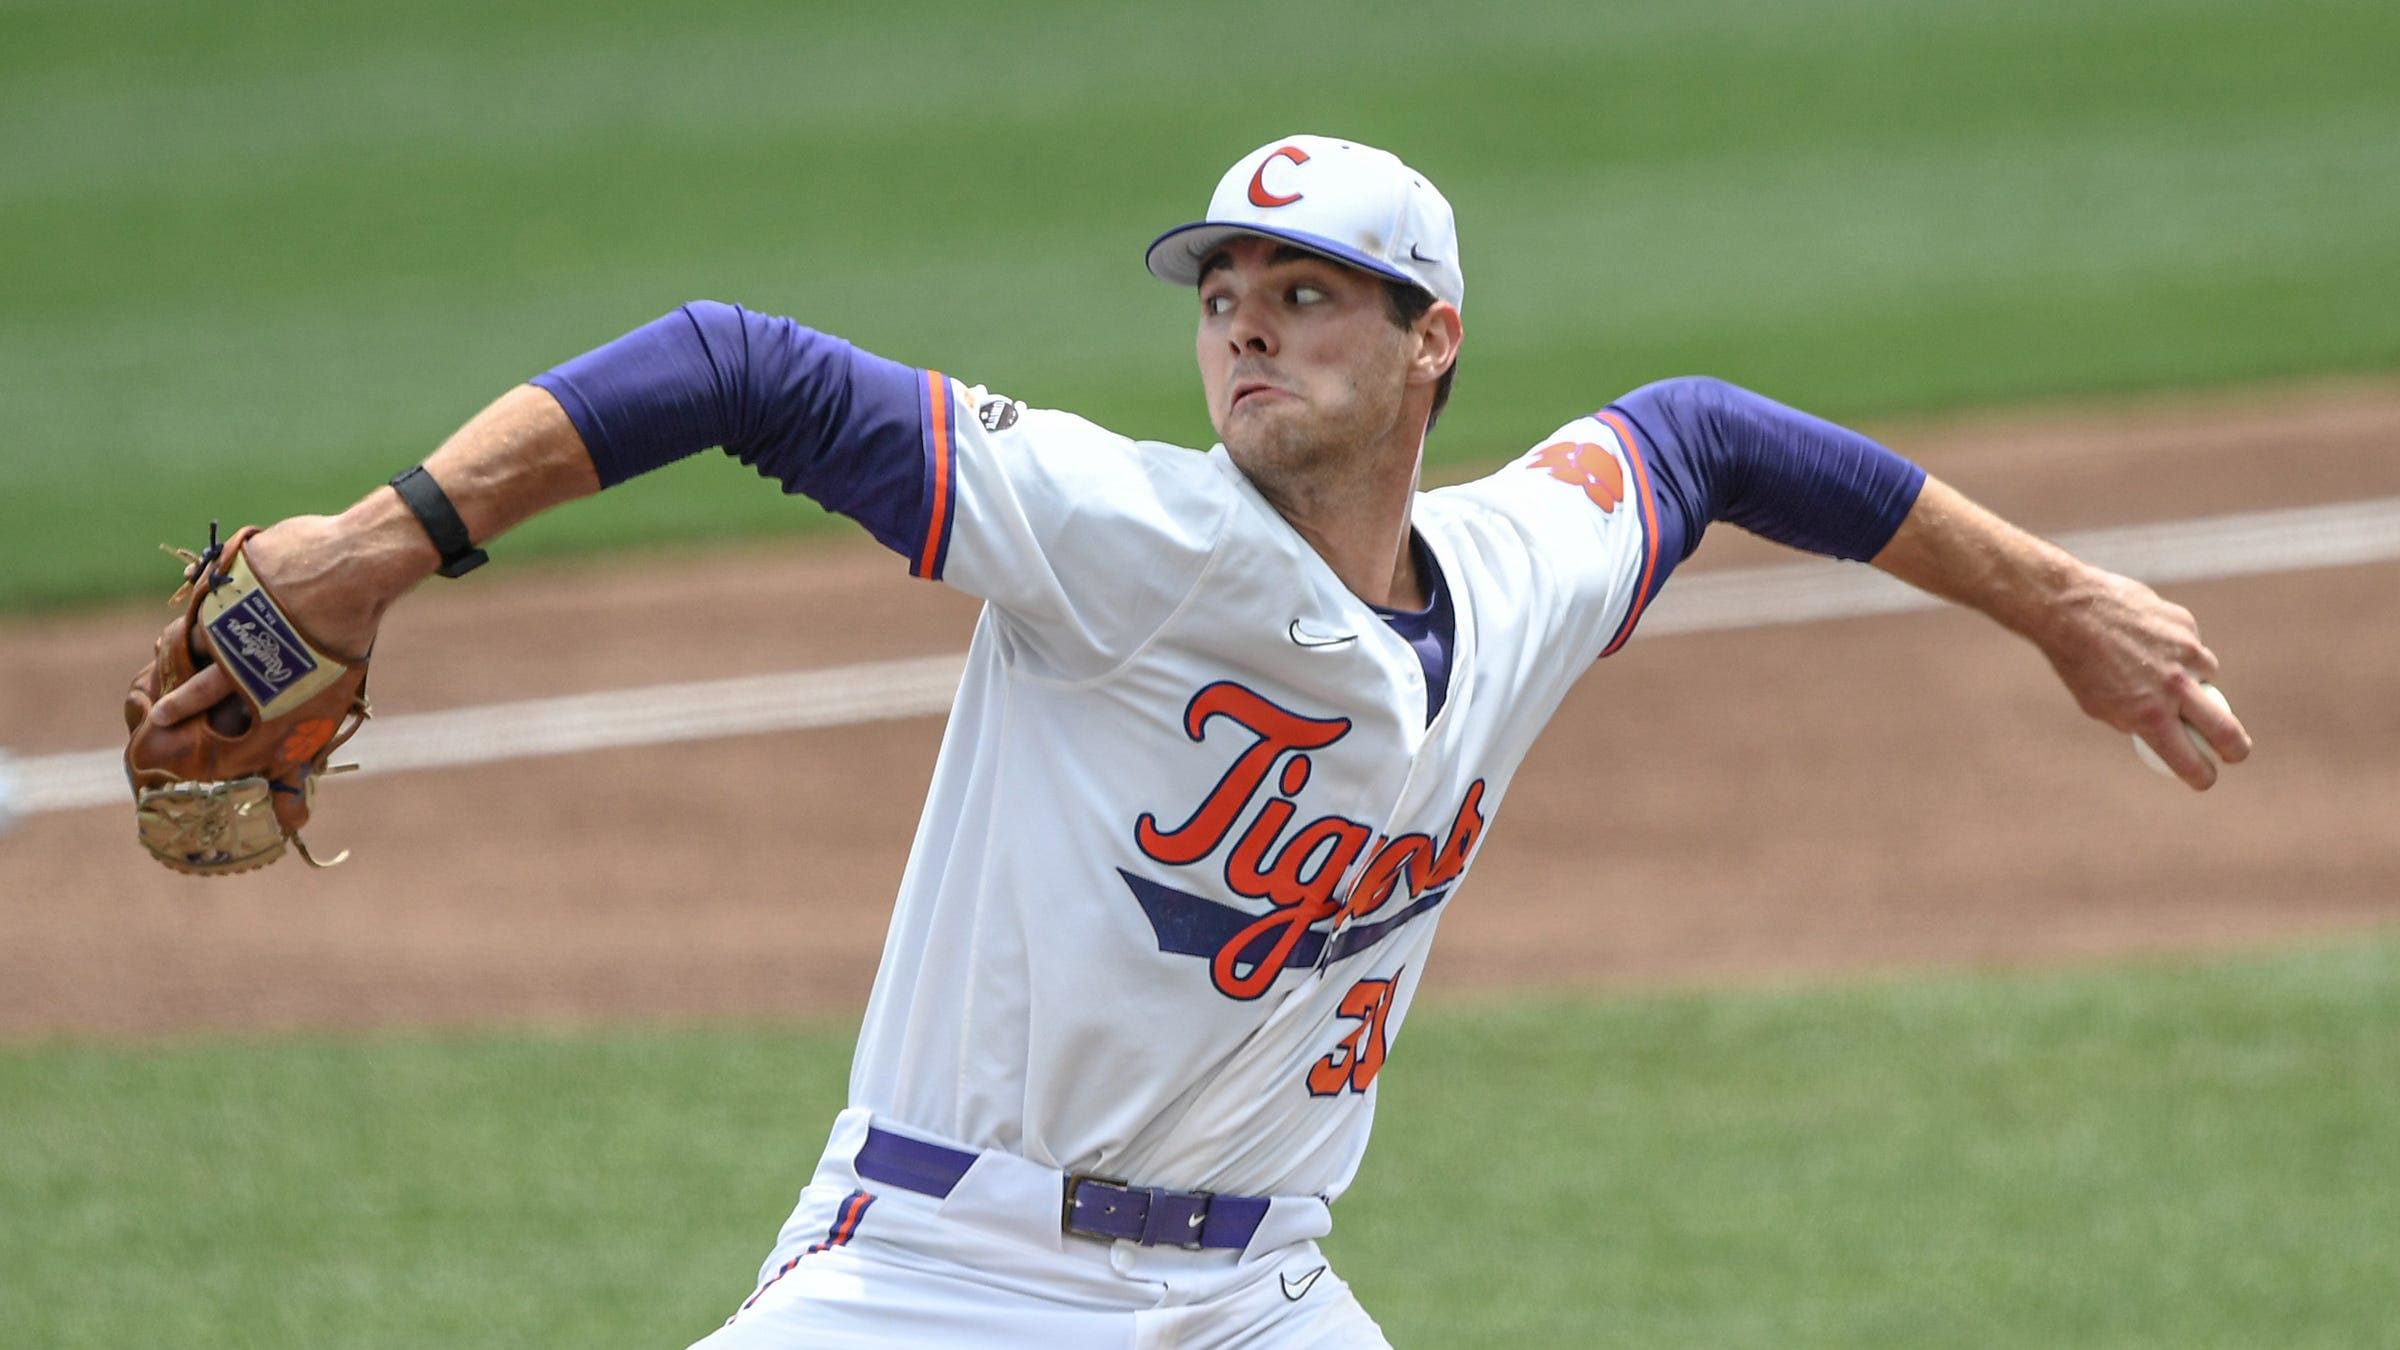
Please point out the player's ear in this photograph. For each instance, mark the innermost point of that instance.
(1437, 333)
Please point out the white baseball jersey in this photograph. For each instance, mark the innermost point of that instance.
(1190, 834)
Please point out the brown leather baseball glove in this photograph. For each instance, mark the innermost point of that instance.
(221, 793)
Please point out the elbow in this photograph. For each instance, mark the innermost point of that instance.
(711, 315)
(1697, 392)
(1704, 413)
(1698, 407)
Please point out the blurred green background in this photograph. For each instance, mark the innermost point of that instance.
(256, 257)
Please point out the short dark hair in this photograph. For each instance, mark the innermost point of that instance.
(1407, 303)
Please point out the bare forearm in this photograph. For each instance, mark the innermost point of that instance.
(2131, 659)
(516, 458)
(1950, 547)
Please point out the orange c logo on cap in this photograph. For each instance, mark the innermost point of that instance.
(1259, 196)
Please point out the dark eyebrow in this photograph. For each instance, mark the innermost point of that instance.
(1284, 253)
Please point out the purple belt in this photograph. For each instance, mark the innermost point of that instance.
(1091, 1206)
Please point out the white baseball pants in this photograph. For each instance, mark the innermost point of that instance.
(869, 1265)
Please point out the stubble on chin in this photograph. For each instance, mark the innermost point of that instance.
(1271, 448)
(1302, 468)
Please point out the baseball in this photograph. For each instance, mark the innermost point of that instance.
(8, 793)
(2199, 742)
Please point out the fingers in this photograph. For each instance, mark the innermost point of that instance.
(2167, 739)
(2139, 665)
(194, 696)
(2213, 718)
(2193, 730)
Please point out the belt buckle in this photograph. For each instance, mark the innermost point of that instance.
(1067, 1203)
(1070, 1200)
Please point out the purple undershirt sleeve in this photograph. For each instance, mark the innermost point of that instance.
(806, 409)
(1717, 451)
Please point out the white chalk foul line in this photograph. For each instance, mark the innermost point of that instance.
(2247, 544)
(835, 697)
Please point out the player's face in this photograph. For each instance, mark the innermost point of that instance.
(1299, 357)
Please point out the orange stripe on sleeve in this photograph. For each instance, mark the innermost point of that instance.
(1649, 510)
(937, 414)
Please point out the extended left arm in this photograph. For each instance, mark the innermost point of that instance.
(2131, 659)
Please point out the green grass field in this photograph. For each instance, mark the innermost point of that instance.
(2164, 1156)
(256, 257)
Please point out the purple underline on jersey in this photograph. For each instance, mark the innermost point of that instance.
(1194, 925)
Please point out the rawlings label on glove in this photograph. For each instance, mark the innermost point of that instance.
(222, 792)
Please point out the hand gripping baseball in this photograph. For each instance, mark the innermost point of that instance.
(2136, 662)
(232, 721)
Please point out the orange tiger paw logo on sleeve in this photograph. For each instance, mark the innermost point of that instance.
(1587, 466)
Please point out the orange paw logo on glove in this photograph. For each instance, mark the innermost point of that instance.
(306, 741)
(1587, 466)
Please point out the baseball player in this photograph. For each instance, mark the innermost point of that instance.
(1232, 729)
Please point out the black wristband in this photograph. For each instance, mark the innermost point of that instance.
(433, 510)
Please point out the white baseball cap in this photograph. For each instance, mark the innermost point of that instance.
(1353, 203)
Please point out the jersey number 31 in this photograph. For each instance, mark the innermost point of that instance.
(1353, 1064)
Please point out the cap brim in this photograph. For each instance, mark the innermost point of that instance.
(1177, 255)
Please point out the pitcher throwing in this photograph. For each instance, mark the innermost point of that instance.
(1232, 730)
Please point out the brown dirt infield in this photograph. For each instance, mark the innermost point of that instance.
(1873, 793)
